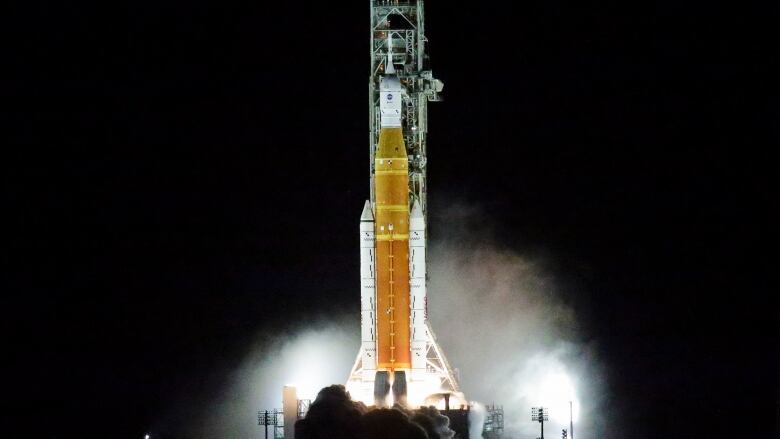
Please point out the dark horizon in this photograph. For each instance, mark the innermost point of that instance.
(177, 170)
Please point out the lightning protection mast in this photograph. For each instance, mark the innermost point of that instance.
(401, 24)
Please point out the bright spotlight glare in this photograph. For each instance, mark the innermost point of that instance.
(556, 391)
(308, 368)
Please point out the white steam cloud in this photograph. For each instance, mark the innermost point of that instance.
(501, 322)
(312, 358)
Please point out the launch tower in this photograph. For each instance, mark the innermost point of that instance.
(398, 348)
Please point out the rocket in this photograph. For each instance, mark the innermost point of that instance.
(399, 359)
(392, 259)
(385, 258)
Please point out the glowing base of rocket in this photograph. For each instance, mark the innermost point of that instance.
(424, 386)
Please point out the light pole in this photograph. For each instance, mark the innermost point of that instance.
(540, 414)
(571, 422)
(267, 418)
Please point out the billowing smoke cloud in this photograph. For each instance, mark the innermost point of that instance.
(391, 424)
(311, 358)
(501, 321)
(436, 425)
(333, 415)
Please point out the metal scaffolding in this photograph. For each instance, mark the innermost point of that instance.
(493, 428)
(402, 23)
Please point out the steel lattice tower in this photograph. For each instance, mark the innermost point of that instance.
(402, 22)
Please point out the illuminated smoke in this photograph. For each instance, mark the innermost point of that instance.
(311, 359)
(502, 323)
(476, 420)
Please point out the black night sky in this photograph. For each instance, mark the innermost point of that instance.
(181, 176)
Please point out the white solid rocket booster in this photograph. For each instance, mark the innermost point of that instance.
(417, 276)
(367, 291)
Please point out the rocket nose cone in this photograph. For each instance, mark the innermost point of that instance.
(368, 214)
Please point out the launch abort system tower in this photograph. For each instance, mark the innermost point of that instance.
(398, 349)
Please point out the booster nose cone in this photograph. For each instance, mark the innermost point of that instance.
(368, 214)
(416, 211)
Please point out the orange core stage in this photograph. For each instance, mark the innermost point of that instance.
(392, 251)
